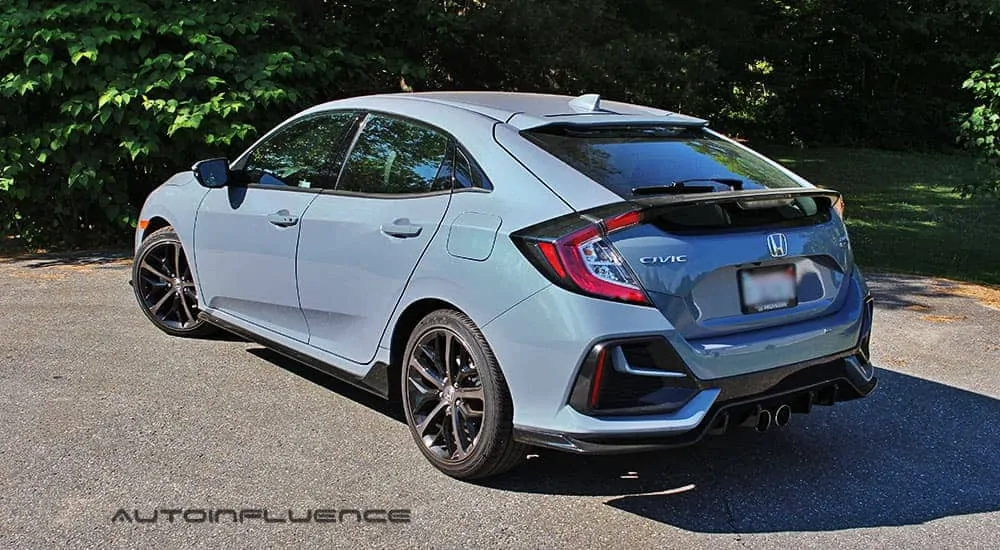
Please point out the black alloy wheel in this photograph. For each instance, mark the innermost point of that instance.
(164, 285)
(455, 399)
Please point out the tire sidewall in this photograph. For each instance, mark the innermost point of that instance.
(160, 236)
(494, 415)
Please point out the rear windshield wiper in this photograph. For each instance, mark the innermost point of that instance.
(683, 186)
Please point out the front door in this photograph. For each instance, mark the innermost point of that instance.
(246, 234)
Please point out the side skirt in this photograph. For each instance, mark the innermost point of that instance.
(376, 381)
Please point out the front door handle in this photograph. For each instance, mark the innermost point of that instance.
(401, 228)
(282, 218)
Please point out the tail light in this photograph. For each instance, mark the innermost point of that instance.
(838, 207)
(574, 252)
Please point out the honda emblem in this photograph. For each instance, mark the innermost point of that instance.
(777, 244)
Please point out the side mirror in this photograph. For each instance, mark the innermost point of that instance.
(212, 173)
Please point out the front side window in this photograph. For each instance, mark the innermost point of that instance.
(299, 155)
(629, 159)
(395, 156)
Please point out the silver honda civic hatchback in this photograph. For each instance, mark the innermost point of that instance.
(520, 270)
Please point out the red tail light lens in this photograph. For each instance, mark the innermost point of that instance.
(585, 261)
(838, 207)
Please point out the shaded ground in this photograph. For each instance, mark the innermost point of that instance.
(102, 411)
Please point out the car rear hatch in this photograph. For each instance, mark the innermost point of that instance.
(718, 238)
(738, 262)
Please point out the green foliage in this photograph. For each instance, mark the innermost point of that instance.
(101, 100)
(981, 129)
(902, 211)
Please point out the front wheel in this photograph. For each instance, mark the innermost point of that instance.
(456, 400)
(164, 286)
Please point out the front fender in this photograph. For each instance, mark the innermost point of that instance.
(175, 201)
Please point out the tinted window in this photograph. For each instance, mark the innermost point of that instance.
(625, 158)
(395, 156)
(300, 154)
(468, 174)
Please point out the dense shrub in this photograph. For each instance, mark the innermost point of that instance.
(100, 100)
(981, 128)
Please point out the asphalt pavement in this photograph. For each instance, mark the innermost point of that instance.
(102, 412)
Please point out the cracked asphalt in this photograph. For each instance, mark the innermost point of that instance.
(101, 411)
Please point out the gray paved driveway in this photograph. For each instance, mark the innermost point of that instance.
(101, 411)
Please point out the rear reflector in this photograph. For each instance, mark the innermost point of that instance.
(595, 385)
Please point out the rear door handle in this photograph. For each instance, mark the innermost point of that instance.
(283, 218)
(401, 228)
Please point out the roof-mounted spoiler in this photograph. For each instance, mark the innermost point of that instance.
(587, 110)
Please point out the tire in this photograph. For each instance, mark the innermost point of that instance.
(478, 398)
(164, 286)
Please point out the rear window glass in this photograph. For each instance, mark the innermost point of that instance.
(624, 159)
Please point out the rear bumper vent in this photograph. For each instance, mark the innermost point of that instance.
(864, 341)
(633, 376)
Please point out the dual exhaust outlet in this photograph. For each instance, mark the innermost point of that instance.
(766, 418)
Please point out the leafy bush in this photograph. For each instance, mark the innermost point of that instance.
(981, 128)
(100, 100)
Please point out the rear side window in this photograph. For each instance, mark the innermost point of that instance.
(459, 172)
(299, 155)
(468, 175)
(627, 158)
(395, 156)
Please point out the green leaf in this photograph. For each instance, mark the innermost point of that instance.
(107, 96)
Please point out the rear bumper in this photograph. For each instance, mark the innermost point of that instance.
(733, 401)
(547, 347)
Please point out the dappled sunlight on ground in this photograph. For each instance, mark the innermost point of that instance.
(903, 213)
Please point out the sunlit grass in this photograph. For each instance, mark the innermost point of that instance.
(902, 212)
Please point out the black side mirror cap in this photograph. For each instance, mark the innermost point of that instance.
(212, 173)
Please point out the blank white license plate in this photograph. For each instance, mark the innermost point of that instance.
(768, 288)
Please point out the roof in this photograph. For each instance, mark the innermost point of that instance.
(527, 110)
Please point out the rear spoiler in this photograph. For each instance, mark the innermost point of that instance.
(616, 215)
(523, 121)
(733, 196)
(648, 206)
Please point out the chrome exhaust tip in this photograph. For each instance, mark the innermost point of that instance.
(763, 420)
(782, 416)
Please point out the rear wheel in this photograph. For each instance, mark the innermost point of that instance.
(456, 400)
(164, 286)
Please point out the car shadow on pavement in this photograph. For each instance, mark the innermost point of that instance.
(348, 391)
(912, 452)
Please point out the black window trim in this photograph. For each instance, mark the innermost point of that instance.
(346, 146)
(363, 116)
(336, 155)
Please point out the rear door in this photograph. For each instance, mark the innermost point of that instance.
(360, 243)
(246, 234)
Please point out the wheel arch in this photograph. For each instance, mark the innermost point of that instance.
(401, 331)
(155, 224)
